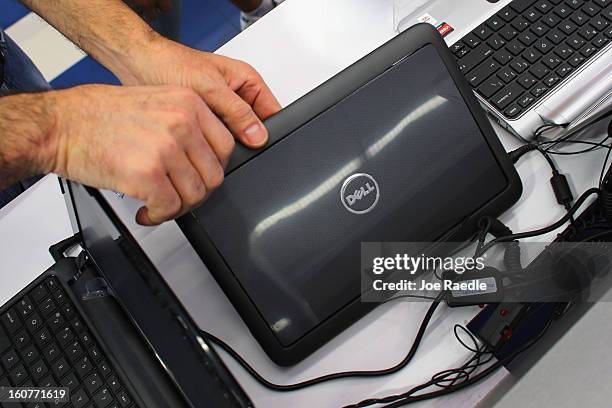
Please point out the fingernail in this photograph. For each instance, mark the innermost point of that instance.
(256, 134)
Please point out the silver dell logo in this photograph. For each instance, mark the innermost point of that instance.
(360, 193)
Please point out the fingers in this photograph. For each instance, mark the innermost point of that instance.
(163, 203)
(256, 93)
(238, 116)
(216, 135)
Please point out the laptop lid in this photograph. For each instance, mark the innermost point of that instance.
(395, 148)
(190, 362)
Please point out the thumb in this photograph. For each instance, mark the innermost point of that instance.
(238, 116)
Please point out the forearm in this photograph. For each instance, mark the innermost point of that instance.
(26, 142)
(108, 30)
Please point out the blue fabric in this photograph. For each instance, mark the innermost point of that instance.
(20, 75)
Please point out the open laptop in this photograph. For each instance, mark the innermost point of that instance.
(530, 62)
(105, 327)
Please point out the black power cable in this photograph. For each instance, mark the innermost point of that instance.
(334, 376)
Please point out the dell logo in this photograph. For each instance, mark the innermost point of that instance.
(359, 193)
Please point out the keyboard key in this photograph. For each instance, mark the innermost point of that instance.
(93, 382)
(600, 23)
(588, 50)
(65, 336)
(563, 11)
(77, 325)
(568, 27)
(5, 343)
(591, 9)
(33, 323)
(532, 55)
(56, 322)
(551, 61)
(527, 80)
(513, 111)
(478, 55)
(503, 57)
(506, 74)
(521, 5)
(525, 100)
(53, 284)
(575, 4)
(539, 70)
(508, 33)
(520, 23)
(527, 38)
(74, 351)
(11, 322)
(114, 383)
(47, 382)
(496, 42)
(9, 360)
(18, 375)
(83, 367)
(59, 297)
(494, 23)
(24, 307)
(22, 339)
(103, 398)
(539, 28)
(532, 15)
(71, 381)
(543, 45)
(576, 42)
(86, 339)
(576, 60)
(544, 6)
(30, 354)
(104, 368)
(587, 32)
(602, 3)
(462, 52)
(556, 36)
(539, 90)
(124, 399)
(507, 14)
(457, 46)
(47, 307)
(600, 41)
(519, 65)
(471, 41)
(39, 370)
(79, 398)
(506, 96)
(579, 18)
(490, 87)
(515, 47)
(552, 20)
(95, 353)
(60, 367)
(51, 352)
(43, 337)
(483, 32)
(564, 51)
(551, 80)
(564, 70)
(39, 293)
(68, 311)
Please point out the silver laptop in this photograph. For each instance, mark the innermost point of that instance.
(530, 62)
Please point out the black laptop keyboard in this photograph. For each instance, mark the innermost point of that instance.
(523, 52)
(45, 343)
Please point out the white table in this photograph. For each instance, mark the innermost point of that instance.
(297, 47)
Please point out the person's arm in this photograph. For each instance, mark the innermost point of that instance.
(115, 36)
(26, 148)
(160, 144)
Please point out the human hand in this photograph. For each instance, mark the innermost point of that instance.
(150, 9)
(233, 89)
(161, 145)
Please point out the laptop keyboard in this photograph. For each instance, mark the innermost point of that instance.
(45, 343)
(526, 50)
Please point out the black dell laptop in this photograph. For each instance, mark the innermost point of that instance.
(395, 148)
(105, 328)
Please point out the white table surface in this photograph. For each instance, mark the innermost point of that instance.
(296, 47)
